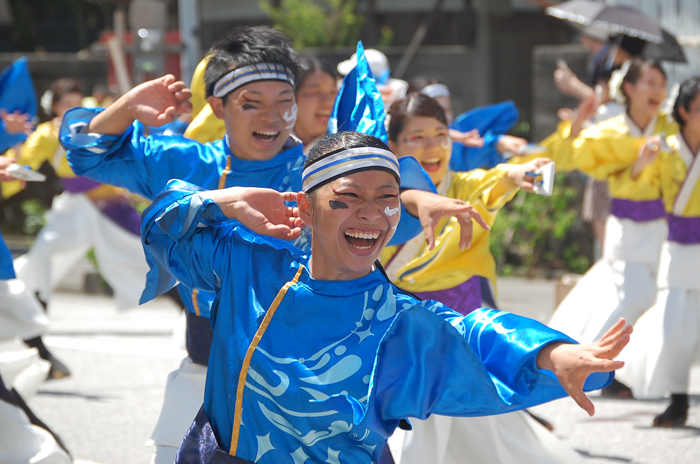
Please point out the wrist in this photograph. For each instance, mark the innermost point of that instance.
(409, 200)
(229, 200)
(545, 358)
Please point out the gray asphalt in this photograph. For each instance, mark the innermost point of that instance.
(106, 410)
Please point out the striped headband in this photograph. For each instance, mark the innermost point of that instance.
(254, 72)
(436, 90)
(348, 162)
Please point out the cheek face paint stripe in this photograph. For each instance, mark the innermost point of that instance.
(290, 117)
(337, 204)
(391, 212)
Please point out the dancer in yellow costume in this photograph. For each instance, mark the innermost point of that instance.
(442, 268)
(87, 215)
(668, 342)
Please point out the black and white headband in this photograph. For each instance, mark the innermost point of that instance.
(435, 90)
(254, 72)
(347, 162)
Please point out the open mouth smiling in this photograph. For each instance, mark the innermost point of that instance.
(266, 136)
(431, 164)
(362, 239)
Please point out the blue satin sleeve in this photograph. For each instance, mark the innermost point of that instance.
(7, 270)
(436, 361)
(141, 164)
(184, 236)
(412, 177)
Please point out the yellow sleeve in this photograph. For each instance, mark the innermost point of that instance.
(39, 147)
(199, 99)
(644, 187)
(673, 173)
(206, 127)
(484, 186)
(601, 156)
(558, 149)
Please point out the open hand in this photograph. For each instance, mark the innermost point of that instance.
(261, 210)
(522, 179)
(572, 364)
(158, 101)
(510, 144)
(431, 208)
(17, 123)
(468, 139)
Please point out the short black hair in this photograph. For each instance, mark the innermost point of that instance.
(310, 64)
(686, 94)
(246, 46)
(333, 143)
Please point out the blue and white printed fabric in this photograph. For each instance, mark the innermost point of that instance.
(341, 362)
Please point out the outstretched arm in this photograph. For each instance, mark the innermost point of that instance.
(572, 364)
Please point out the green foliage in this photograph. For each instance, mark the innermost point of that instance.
(317, 23)
(34, 216)
(531, 232)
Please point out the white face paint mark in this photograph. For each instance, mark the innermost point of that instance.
(290, 117)
(391, 212)
(394, 227)
(445, 144)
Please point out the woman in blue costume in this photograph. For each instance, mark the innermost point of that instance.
(322, 356)
(250, 86)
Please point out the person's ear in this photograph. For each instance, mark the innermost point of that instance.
(625, 88)
(304, 208)
(217, 106)
(683, 113)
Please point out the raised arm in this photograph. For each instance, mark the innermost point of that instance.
(186, 236)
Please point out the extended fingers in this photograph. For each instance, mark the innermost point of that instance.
(427, 224)
(466, 231)
(479, 219)
(582, 400)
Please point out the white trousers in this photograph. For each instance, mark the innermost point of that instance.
(74, 226)
(621, 284)
(505, 439)
(23, 443)
(184, 395)
(666, 340)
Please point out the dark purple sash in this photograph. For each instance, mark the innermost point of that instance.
(638, 211)
(464, 298)
(78, 184)
(684, 229)
(200, 446)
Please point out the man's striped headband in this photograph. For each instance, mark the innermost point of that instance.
(247, 74)
(436, 90)
(348, 162)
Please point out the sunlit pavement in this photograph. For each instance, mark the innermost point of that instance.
(119, 360)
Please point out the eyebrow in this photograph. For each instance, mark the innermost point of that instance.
(378, 188)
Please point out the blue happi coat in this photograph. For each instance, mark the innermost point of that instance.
(340, 362)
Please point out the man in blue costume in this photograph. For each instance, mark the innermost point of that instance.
(249, 84)
(321, 357)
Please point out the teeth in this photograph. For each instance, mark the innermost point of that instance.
(432, 160)
(366, 235)
(267, 133)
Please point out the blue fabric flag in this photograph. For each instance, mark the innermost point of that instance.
(491, 121)
(7, 271)
(16, 94)
(358, 106)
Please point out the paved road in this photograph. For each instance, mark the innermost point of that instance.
(106, 410)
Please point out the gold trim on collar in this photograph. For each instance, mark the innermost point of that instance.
(227, 169)
(248, 356)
